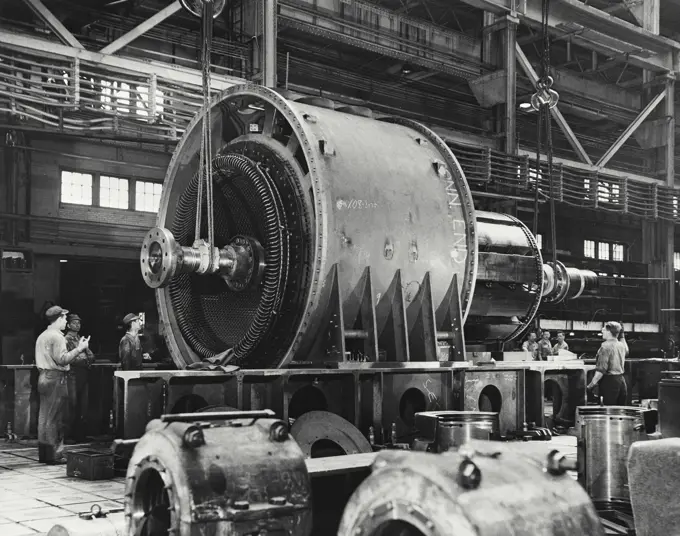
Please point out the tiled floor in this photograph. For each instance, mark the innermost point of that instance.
(34, 497)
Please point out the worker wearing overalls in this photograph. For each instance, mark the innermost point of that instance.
(53, 359)
(610, 366)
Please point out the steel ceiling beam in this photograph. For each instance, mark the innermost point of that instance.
(557, 115)
(607, 156)
(141, 29)
(593, 29)
(174, 73)
(57, 27)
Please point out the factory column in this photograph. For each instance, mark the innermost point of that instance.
(260, 19)
(669, 165)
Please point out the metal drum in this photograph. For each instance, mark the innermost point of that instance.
(605, 434)
(486, 488)
(446, 430)
(669, 404)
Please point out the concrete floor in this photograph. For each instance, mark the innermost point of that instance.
(35, 497)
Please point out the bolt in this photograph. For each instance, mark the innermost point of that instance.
(278, 432)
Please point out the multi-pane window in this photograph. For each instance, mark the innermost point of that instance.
(589, 249)
(617, 252)
(603, 251)
(539, 241)
(148, 196)
(114, 192)
(110, 192)
(76, 188)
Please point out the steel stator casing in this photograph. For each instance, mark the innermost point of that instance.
(486, 488)
(194, 474)
(331, 197)
(339, 236)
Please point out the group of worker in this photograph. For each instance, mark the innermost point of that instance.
(62, 361)
(541, 349)
(609, 366)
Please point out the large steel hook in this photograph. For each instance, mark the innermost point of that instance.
(545, 95)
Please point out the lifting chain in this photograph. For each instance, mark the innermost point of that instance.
(544, 100)
(205, 10)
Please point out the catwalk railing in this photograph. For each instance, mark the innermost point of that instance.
(71, 95)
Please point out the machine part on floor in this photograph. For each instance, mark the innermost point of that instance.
(314, 262)
(669, 404)
(484, 488)
(445, 430)
(321, 434)
(654, 477)
(605, 434)
(114, 524)
(208, 475)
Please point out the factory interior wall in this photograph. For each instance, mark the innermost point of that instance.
(101, 245)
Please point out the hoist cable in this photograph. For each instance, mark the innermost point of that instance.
(205, 159)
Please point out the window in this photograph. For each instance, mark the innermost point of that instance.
(113, 192)
(617, 252)
(148, 196)
(76, 188)
(589, 249)
(539, 241)
(676, 261)
(603, 251)
(607, 192)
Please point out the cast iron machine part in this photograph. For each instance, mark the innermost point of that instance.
(336, 234)
(484, 488)
(218, 472)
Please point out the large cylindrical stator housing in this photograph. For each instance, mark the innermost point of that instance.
(337, 236)
(356, 217)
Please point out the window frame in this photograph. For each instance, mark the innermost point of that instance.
(135, 196)
(81, 172)
(96, 189)
(610, 248)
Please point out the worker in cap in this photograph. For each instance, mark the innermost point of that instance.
(609, 368)
(53, 360)
(76, 426)
(130, 347)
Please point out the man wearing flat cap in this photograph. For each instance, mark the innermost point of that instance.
(130, 347)
(53, 360)
(76, 426)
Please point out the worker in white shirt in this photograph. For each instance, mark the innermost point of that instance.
(53, 359)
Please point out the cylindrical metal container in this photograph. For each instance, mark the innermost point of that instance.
(483, 489)
(447, 430)
(605, 434)
(218, 473)
(669, 404)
